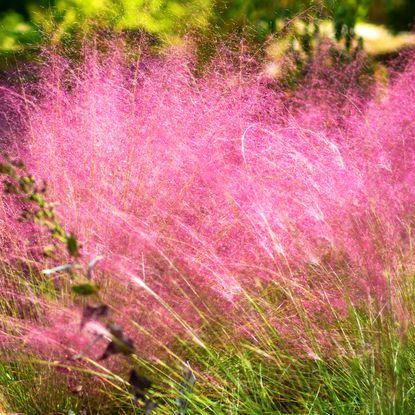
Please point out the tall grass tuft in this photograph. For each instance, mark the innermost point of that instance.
(238, 221)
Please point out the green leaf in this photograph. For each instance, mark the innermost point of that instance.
(35, 197)
(26, 184)
(72, 245)
(85, 289)
(7, 169)
(57, 230)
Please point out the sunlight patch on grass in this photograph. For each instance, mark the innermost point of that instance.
(378, 40)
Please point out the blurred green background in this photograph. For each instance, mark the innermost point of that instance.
(25, 24)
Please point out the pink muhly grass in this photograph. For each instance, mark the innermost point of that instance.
(196, 189)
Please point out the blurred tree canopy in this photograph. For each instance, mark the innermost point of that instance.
(160, 17)
(22, 21)
(396, 14)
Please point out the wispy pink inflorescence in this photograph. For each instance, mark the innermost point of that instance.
(200, 186)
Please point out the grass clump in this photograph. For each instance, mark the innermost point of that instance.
(254, 244)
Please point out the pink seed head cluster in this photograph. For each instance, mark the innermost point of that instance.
(196, 188)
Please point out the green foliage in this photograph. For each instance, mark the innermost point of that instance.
(29, 388)
(370, 370)
(85, 289)
(22, 22)
(72, 245)
(20, 183)
(396, 14)
(168, 19)
(16, 32)
(345, 15)
(265, 18)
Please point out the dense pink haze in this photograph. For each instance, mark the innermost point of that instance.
(195, 188)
